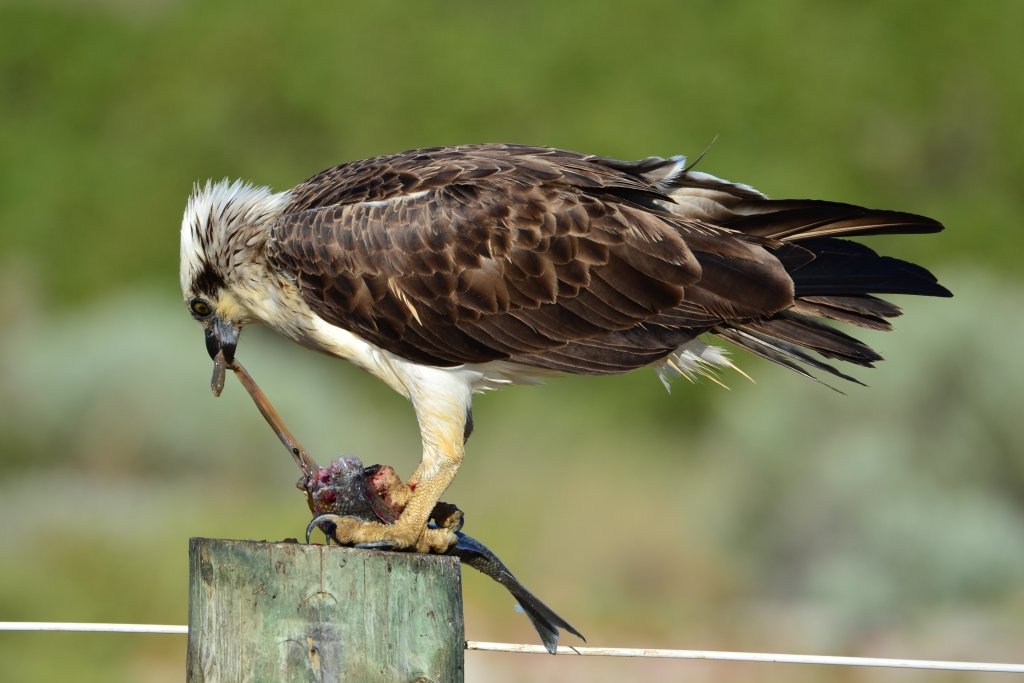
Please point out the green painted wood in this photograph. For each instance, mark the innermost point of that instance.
(293, 612)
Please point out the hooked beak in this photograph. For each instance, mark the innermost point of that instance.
(222, 338)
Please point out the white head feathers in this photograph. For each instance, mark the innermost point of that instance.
(221, 220)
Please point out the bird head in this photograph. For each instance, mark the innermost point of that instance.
(223, 233)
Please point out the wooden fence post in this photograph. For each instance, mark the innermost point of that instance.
(294, 612)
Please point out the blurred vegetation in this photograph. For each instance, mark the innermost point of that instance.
(778, 515)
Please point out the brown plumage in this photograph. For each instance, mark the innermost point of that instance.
(445, 272)
(582, 264)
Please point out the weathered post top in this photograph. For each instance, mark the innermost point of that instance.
(294, 612)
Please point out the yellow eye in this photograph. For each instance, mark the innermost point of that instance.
(200, 308)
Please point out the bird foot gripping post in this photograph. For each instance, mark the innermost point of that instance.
(288, 611)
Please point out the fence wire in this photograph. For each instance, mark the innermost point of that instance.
(708, 655)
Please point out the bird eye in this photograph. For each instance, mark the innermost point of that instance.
(200, 308)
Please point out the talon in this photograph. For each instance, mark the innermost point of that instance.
(329, 531)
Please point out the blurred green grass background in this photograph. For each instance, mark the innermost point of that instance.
(775, 516)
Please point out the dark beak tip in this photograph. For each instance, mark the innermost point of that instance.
(212, 344)
(222, 338)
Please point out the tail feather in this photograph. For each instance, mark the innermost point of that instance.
(780, 352)
(862, 311)
(834, 280)
(820, 337)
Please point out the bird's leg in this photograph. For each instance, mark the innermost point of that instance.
(447, 515)
(442, 432)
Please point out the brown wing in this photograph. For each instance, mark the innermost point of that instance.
(479, 253)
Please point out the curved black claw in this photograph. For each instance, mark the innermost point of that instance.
(328, 529)
(328, 523)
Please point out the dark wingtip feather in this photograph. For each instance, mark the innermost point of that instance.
(843, 268)
(794, 220)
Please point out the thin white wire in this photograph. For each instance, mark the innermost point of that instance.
(92, 628)
(762, 657)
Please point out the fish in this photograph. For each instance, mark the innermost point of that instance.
(375, 494)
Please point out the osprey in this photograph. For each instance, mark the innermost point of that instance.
(449, 271)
